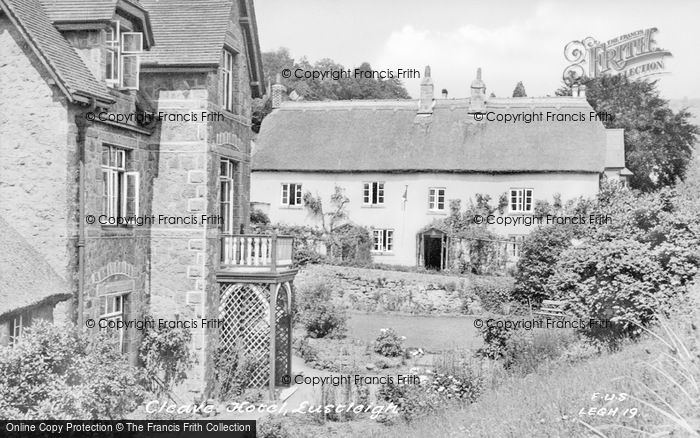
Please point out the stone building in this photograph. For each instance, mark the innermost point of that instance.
(125, 149)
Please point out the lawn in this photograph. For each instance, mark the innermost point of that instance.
(432, 333)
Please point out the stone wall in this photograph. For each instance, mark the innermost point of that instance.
(374, 290)
(34, 165)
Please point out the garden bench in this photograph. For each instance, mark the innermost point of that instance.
(552, 308)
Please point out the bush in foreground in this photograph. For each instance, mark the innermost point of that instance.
(61, 373)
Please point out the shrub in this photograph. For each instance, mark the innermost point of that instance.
(619, 281)
(539, 254)
(165, 353)
(233, 373)
(493, 294)
(389, 343)
(319, 315)
(465, 389)
(62, 373)
(271, 427)
(413, 401)
(495, 340)
(528, 350)
(259, 217)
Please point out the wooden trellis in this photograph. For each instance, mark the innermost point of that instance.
(249, 324)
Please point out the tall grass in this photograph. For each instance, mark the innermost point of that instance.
(671, 388)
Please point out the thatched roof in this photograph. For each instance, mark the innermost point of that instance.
(26, 279)
(389, 136)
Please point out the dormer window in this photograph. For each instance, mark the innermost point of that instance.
(123, 51)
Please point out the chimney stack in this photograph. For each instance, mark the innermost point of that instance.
(444, 93)
(478, 95)
(425, 105)
(277, 92)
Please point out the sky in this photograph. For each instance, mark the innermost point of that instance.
(510, 40)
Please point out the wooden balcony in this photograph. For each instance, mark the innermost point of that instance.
(256, 257)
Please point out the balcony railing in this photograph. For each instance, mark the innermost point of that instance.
(256, 253)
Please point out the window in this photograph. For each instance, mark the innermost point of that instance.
(291, 194)
(520, 200)
(123, 49)
(113, 310)
(436, 199)
(16, 328)
(120, 189)
(383, 240)
(373, 193)
(228, 84)
(514, 245)
(226, 194)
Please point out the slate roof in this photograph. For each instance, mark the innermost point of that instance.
(26, 279)
(388, 136)
(79, 10)
(54, 49)
(187, 31)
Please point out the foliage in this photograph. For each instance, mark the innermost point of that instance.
(339, 202)
(462, 389)
(306, 240)
(271, 427)
(639, 264)
(62, 373)
(519, 90)
(355, 87)
(259, 217)
(351, 245)
(233, 372)
(413, 401)
(528, 350)
(539, 254)
(492, 295)
(495, 338)
(474, 248)
(318, 314)
(659, 142)
(389, 343)
(345, 88)
(165, 352)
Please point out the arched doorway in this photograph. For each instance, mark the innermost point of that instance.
(432, 252)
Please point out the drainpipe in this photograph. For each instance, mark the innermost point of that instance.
(82, 124)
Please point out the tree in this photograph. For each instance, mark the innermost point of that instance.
(339, 202)
(350, 86)
(519, 90)
(659, 142)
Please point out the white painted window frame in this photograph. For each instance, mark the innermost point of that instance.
(287, 195)
(115, 313)
(383, 240)
(436, 199)
(372, 190)
(520, 200)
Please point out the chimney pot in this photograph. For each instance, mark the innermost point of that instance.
(277, 92)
